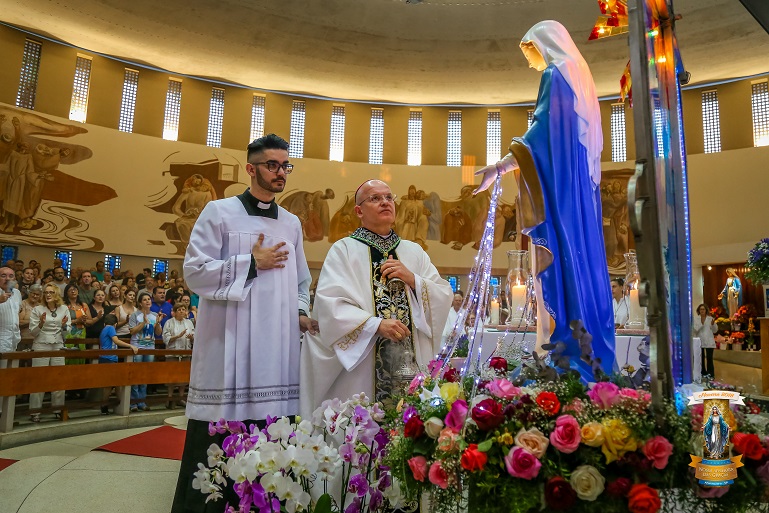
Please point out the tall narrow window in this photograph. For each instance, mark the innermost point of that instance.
(618, 138)
(711, 121)
(529, 118)
(257, 117)
(30, 66)
(415, 138)
(454, 139)
(9, 253)
(760, 103)
(66, 259)
(659, 127)
(112, 261)
(296, 135)
(159, 266)
(128, 103)
(376, 136)
(453, 281)
(493, 137)
(336, 150)
(78, 107)
(173, 106)
(215, 118)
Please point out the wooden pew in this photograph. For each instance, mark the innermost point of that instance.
(15, 380)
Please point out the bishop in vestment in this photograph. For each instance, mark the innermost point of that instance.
(381, 306)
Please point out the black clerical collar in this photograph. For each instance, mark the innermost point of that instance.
(383, 243)
(254, 207)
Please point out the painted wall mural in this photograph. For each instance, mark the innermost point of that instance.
(617, 235)
(38, 200)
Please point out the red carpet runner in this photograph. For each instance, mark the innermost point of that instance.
(164, 442)
(4, 463)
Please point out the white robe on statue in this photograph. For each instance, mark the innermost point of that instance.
(245, 361)
(339, 362)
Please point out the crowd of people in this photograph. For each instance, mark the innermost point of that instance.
(54, 310)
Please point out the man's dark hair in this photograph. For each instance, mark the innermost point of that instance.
(156, 288)
(619, 281)
(267, 142)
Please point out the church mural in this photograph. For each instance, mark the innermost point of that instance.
(40, 190)
(312, 210)
(617, 235)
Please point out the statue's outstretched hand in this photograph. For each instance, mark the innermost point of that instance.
(490, 172)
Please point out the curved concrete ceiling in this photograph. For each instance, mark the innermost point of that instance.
(436, 51)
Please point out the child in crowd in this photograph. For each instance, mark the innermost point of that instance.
(108, 340)
(178, 333)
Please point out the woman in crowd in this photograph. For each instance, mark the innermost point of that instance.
(34, 299)
(123, 313)
(144, 325)
(704, 328)
(178, 333)
(160, 280)
(78, 314)
(114, 297)
(186, 300)
(48, 323)
(130, 282)
(96, 312)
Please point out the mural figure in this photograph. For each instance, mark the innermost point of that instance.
(412, 218)
(312, 210)
(197, 192)
(716, 432)
(344, 221)
(28, 163)
(615, 221)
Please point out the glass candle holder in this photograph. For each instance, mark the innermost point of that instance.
(517, 285)
(636, 313)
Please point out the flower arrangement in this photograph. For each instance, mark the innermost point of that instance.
(330, 464)
(557, 446)
(737, 337)
(716, 312)
(744, 314)
(758, 262)
(724, 325)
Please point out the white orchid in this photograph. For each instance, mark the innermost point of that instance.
(276, 483)
(215, 455)
(244, 467)
(281, 429)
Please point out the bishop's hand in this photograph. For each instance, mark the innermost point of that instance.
(396, 269)
(269, 257)
(393, 329)
(490, 172)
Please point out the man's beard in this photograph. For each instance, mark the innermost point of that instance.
(269, 186)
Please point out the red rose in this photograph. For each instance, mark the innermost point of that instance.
(451, 375)
(748, 445)
(487, 414)
(414, 428)
(499, 364)
(559, 494)
(549, 402)
(418, 466)
(619, 487)
(473, 459)
(658, 450)
(643, 499)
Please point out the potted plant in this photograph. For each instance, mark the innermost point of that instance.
(722, 342)
(737, 339)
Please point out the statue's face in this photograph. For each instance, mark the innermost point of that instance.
(535, 58)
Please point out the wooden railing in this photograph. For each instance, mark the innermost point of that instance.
(16, 380)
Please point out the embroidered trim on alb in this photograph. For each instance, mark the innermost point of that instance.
(383, 244)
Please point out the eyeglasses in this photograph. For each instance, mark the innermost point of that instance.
(273, 166)
(378, 198)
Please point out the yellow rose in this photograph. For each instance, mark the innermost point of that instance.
(617, 440)
(592, 434)
(450, 393)
(533, 441)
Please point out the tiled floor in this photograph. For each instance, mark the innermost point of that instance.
(65, 476)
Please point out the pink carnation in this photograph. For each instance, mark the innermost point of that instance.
(604, 394)
(438, 476)
(629, 392)
(521, 463)
(418, 466)
(503, 389)
(658, 450)
(566, 435)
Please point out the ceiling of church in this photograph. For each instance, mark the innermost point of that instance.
(433, 51)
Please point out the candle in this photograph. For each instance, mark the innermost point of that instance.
(494, 317)
(517, 302)
(636, 314)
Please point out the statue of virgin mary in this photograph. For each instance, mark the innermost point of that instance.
(558, 169)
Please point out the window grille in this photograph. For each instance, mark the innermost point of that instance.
(493, 137)
(215, 118)
(711, 122)
(173, 106)
(336, 149)
(9, 253)
(257, 117)
(376, 137)
(159, 266)
(618, 138)
(529, 118)
(112, 261)
(66, 259)
(128, 103)
(454, 139)
(760, 105)
(30, 67)
(78, 107)
(296, 135)
(415, 138)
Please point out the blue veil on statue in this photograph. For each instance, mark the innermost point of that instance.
(560, 171)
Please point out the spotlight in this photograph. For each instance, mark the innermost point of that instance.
(710, 268)
(684, 77)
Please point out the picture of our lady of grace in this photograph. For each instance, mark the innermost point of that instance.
(716, 431)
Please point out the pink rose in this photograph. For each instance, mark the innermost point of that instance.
(438, 476)
(658, 450)
(503, 389)
(521, 463)
(566, 435)
(604, 394)
(418, 466)
(457, 416)
(629, 392)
